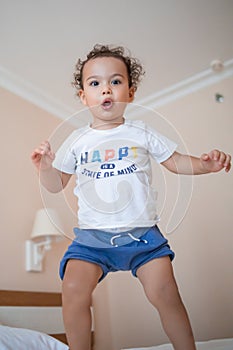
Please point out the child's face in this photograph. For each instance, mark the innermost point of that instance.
(106, 89)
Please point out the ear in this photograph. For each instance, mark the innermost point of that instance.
(131, 94)
(82, 97)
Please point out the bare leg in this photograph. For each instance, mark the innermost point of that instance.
(80, 280)
(161, 290)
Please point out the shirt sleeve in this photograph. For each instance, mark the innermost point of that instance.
(160, 147)
(65, 159)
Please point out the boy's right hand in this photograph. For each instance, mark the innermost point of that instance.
(42, 157)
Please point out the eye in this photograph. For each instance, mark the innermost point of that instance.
(115, 82)
(94, 83)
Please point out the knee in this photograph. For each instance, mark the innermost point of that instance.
(79, 281)
(71, 287)
(164, 293)
(73, 292)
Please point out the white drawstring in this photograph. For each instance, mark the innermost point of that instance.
(130, 235)
(134, 238)
(112, 239)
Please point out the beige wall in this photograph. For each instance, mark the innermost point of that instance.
(23, 126)
(202, 242)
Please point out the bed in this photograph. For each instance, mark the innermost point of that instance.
(215, 344)
(31, 320)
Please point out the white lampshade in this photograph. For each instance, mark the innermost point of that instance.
(46, 223)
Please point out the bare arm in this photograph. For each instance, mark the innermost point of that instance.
(214, 161)
(52, 179)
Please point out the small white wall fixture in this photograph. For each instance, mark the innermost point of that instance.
(46, 230)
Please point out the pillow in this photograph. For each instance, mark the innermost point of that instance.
(21, 339)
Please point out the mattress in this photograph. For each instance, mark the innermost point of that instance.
(215, 344)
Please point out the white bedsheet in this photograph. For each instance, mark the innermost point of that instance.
(216, 344)
(26, 339)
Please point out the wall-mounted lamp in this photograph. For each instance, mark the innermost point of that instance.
(45, 231)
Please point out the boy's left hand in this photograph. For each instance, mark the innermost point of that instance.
(215, 161)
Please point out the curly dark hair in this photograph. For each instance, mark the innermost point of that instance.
(134, 67)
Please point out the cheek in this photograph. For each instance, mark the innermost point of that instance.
(90, 100)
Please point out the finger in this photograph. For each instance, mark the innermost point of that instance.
(36, 153)
(214, 155)
(227, 163)
(228, 168)
(51, 155)
(45, 147)
(222, 158)
(228, 159)
(46, 144)
(205, 156)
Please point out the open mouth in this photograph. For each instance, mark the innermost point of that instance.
(107, 104)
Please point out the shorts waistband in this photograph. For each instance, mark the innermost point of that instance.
(104, 239)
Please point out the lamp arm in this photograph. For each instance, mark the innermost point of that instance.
(40, 249)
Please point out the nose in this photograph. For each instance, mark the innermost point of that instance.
(106, 90)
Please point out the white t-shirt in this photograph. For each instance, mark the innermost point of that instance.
(113, 174)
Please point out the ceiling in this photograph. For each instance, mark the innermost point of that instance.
(174, 39)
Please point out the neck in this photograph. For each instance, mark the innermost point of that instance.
(106, 125)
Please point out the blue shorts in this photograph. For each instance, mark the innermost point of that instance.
(127, 257)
